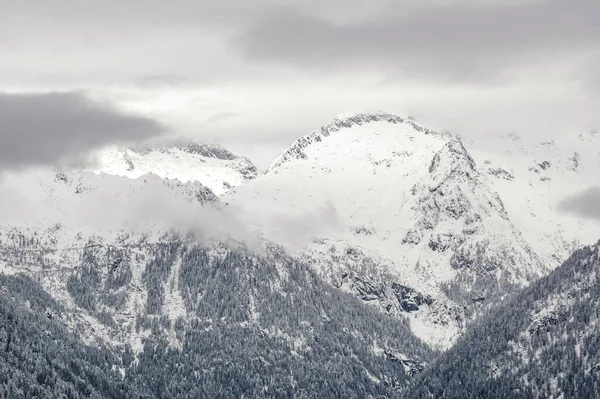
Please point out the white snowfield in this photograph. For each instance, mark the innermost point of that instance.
(535, 178)
(210, 164)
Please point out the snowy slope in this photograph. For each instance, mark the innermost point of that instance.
(534, 178)
(419, 230)
(210, 164)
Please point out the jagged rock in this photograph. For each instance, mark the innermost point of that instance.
(410, 300)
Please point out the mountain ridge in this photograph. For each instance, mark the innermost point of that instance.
(389, 242)
(209, 163)
(339, 122)
(412, 204)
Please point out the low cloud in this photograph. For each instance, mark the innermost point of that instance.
(104, 204)
(46, 128)
(212, 223)
(296, 232)
(585, 204)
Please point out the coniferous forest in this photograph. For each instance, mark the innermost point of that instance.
(267, 326)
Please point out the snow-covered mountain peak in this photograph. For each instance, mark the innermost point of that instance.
(452, 158)
(366, 123)
(413, 211)
(209, 163)
(359, 118)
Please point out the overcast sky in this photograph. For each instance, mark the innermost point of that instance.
(256, 74)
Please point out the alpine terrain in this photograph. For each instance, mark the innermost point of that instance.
(421, 229)
(183, 215)
(145, 309)
(373, 258)
(544, 173)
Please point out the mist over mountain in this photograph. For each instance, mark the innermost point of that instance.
(374, 258)
(299, 199)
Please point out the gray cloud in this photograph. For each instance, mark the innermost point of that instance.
(220, 117)
(447, 39)
(38, 129)
(163, 81)
(586, 203)
(463, 40)
(296, 232)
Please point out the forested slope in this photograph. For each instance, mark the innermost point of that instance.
(180, 319)
(40, 358)
(544, 342)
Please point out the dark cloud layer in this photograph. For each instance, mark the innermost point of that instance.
(586, 203)
(37, 129)
(464, 41)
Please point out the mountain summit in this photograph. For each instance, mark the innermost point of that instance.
(210, 164)
(421, 231)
